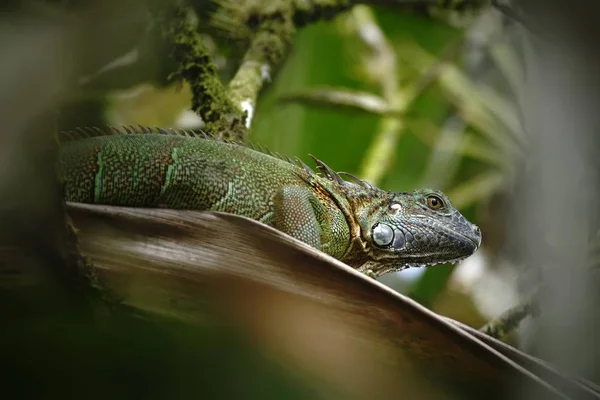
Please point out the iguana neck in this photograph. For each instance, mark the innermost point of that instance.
(354, 204)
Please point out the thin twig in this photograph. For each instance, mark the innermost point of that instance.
(510, 319)
(343, 98)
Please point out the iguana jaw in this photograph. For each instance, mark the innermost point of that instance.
(376, 262)
(378, 269)
(458, 248)
(433, 263)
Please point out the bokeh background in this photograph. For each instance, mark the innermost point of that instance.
(402, 96)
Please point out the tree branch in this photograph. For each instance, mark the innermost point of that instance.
(271, 25)
(227, 111)
(267, 48)
(210, 99)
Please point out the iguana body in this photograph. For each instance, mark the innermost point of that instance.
(352, 221)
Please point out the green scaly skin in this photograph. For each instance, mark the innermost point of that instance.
(370, 229)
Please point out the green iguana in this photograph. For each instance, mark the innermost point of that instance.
(370, 229)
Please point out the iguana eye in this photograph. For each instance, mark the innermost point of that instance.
(383, 235)
(434, 202)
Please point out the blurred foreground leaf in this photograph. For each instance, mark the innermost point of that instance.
(300, 306)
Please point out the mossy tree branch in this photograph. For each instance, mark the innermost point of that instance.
(210, 99)
(267, 49)
(511, 318)
(269, 27)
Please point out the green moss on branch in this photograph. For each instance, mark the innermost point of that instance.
(510, 319)
(210, 99)
(269, 27)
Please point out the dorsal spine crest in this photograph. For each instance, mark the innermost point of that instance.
(324, 170)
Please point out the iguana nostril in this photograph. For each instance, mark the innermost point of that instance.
(477, 232)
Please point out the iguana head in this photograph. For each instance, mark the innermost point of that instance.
(392, 231)
(417, 228)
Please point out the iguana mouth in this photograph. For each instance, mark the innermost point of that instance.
(452, 261)
(450, 247)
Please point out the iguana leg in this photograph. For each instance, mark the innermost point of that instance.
(296, 213)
